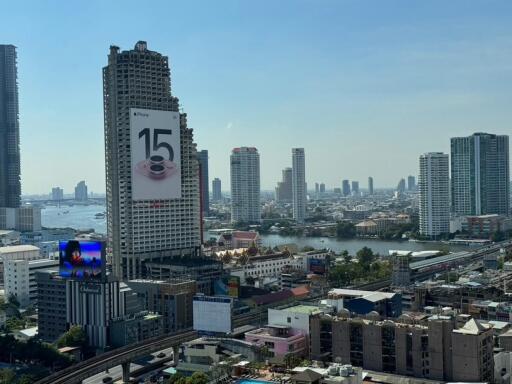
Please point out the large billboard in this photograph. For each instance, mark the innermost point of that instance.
(156, 154)
(227, 286)
(212, 315)
(82, 259)
(317, 266)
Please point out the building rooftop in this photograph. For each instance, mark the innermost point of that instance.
(473, 327)
(375, 295)
(304, 309)
(18, 248)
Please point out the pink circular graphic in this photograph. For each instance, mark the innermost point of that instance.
(156, 171)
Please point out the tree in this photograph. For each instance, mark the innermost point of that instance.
(26, 379)
(74, 337)
(346, 257)
(291, 360)
(365, 256)
(226, 258)
(243, 259)
(13, 300)
(345, 230)
(7, 376)
(198, 378)
(308, 248)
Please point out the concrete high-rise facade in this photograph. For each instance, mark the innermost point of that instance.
(355, 188)
(411, 183)
(245, 185)
(345, 187)
(216, 189)
(370, 185)
(147, 230)
(202, 156)
(322, 188)
(81, 193)
(284, 192)
(299, 184)
(57, 194)
(480, 174)
(401, 186)
(434, 194)
(10, 185)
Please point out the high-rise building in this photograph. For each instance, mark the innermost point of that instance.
(284, 192)
(355, 188)
(370, 185)
(322, 188)
(400, 188)
(411, 183)
(81, 193)
(57, 194)
(480, 174)
(202, 156)
(245, 185)
(299, 184)
(317, 188)
(152, 172)
(217, 189)
(10, 186)
(434, 194)
(345, 187)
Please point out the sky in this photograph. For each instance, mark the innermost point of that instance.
(365, 86)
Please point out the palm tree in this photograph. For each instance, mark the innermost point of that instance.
(243, 259)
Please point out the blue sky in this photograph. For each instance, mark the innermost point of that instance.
(364, 86)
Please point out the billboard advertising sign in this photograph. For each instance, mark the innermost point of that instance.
(212, 314)
(82, 259)
(227, 286)
(317, 266)
(156, 154)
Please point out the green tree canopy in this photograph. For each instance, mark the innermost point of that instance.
(74, 337)
(365, 256)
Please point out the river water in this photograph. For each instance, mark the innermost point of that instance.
(82, 217)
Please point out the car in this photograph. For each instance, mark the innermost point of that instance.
(160, 355)
(107, 379)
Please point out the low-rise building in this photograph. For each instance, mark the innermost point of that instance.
(279, 340)
(17, 252)
(484, 226)
(386, 304)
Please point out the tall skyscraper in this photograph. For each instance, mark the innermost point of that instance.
(152, 172)
(81, 193)
(401, 186)
(217, 189)
(480, 174)
(345, 187)
(57, 194)
(317, 188)
(411, 183)
(284, 192)
(370, 185)
(10, 186)
(434, 194)
(299, 184)
(322, 188)
(355, 188)
(245, 185)
(202, 156)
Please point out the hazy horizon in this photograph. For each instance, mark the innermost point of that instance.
(364, 86)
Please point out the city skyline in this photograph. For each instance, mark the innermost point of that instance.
(422, 80)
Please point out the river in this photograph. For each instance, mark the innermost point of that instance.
(82, 217)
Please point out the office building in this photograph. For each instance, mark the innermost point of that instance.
(51, 305)
(284, 189)
(317, 188)
(57, 194)
(299, 184)
(153, 204)
(171, 299)
(411, 183)
(81, 191)
(480, 175)
(322, 188)
(26, 218)
(16, 252)
(434, 194)
(355, 188)
(20, 279)
(400, 188)
(10, 185)
(202, 157)
(345, 187)
(370, 185)
(245, 185)
(217, 189)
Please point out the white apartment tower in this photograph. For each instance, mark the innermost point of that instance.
(152, 172)
(434, 194)
(299, 184)
(245, 185)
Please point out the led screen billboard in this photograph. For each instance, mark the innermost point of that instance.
(156, 154)
(227, 286)
(82, 259)
(317, 266)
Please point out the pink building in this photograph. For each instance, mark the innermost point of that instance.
(280, 340)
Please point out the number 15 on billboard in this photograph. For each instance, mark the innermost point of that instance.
(155, 154)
